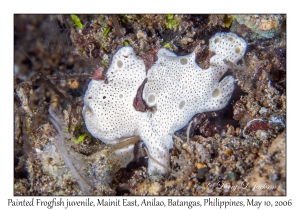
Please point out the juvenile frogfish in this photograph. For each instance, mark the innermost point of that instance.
(176, 89)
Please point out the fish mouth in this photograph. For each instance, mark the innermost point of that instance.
(86, 109)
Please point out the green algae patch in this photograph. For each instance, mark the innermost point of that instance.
(76, 21)
(167, 46)
(172, 23)
(106, 31)
(81, 138)
(228, 21)
(105, 62)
